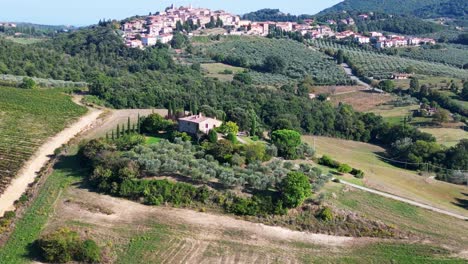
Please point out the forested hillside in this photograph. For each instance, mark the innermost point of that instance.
(390, 6)
(273, 15)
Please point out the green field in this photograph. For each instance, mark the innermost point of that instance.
(385, 177)
(26, 41)
(27, 119)
(221, 71)
(394, 115)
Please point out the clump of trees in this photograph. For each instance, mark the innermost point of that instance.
(122, 172)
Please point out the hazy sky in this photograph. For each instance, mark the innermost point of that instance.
(85, 12)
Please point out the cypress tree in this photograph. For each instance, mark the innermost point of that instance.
(128, 126)
(191, 108)
(113, 136)
(118, 130)
(253, 125)
(139, 124)
(169, 110)
(107, 135)
(195, 108)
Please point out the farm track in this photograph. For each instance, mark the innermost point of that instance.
(27, 174)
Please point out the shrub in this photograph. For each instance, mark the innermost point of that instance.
(344, 168)
(61, 246)
(90, 252)
(329, 162)
(232, 137)
(357, 173)
(326, 214)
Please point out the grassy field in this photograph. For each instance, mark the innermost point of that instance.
(431, 225)
(447, 136)
(394, 115)
(27, 119)
(216, 70)
(385, 177)
(130, 232)
(26, 41)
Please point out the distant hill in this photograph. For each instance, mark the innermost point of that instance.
(429, 8)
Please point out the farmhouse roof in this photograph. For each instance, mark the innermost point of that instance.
(196, 118)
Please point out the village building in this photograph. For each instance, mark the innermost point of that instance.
(401, 76)
(362, 39)
(198, 123)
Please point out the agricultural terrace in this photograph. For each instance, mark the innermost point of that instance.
(27, 119)
(381, 66)
(385, 177)
(456, 55)
(251, 52)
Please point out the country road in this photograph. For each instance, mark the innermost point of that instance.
(401, 199)
(29, 171)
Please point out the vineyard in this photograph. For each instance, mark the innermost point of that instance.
(27, 119)
(252, 52)
(381, 66)
(455, 55)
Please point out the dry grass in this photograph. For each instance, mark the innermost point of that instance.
(362, 100)
(387, 178)
(447, 136)
(336, 90)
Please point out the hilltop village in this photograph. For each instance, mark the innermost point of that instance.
(160, 27)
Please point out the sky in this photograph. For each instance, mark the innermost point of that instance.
(86, 12)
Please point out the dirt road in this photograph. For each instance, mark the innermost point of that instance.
(401, 199)
(26, 176)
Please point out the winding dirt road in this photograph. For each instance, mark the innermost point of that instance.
(26, 176)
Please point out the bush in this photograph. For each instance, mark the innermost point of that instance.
(344, 168)
(329, 162)
(90, 252)
(326, 214)
(357, 173)
(65, 245)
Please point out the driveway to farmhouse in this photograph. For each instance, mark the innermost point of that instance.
(29, 171)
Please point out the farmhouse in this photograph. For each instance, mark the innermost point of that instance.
(195, 123)
(401, 76)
